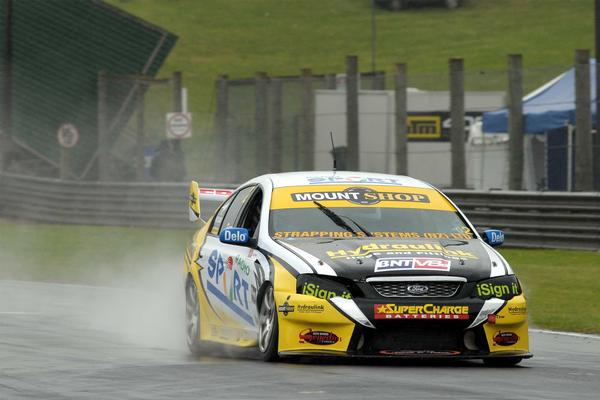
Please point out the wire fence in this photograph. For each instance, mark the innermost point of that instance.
(270, 124)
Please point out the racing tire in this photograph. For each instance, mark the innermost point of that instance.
(502, 362)
(268, 327)
(192, 317)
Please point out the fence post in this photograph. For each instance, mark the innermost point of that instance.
(352, 160)
(221, 118)
(277, 127)
(261, 122)
(177, 106)
(596, 160)
(401, 123)
(140, 133)
(457, 129)
(103, 139)
(515, 121)
(583, 123)
(5, 129)
(308, 121)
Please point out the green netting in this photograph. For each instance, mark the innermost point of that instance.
(59, 46)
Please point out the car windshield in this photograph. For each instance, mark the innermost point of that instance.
(404, 213)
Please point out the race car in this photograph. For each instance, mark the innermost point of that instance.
(340, 263)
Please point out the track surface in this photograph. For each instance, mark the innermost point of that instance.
(57, 342)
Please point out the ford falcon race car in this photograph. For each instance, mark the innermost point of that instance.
(350, 264)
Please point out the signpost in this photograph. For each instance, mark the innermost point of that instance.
(68, 137)
(179, 125)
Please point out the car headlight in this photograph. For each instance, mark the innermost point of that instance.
(503, 287)
(322, 288)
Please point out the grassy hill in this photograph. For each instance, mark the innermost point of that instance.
(240, 37)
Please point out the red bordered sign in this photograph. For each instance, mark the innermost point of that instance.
(67, 135)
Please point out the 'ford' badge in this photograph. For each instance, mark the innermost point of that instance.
(417, 289)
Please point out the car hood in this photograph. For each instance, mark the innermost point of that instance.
(368, 257)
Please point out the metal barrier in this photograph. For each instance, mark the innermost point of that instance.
(529, 219)
(98, 203)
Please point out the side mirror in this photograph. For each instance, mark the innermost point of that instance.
(194, 201)
(493, 237)
(238, 236)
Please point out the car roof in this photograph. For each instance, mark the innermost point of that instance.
(308, 178)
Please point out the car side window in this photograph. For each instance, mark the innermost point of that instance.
(238, 204)
(218, 220)
(250, 216)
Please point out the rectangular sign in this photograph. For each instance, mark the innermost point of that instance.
(426, 311)
(407, 263)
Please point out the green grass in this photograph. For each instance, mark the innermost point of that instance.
(562, 286)
(85, 254)
(240, 37)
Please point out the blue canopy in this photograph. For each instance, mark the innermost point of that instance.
(552, 106)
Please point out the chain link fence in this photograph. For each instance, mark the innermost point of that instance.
(272, 124)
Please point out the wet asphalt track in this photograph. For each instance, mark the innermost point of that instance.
(53, 345)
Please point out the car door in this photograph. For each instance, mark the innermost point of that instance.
(228, 273)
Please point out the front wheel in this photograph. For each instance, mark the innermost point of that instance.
(268, 327)
(502, 361)
(192, 317)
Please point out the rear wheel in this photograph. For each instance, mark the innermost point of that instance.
(268, 328)
(192, 317)
(502, 361)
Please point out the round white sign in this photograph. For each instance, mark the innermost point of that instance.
(179, 125)
(67, 135)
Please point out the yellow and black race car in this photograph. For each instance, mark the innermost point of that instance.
(350, 264)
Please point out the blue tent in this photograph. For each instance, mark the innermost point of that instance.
(552, 106)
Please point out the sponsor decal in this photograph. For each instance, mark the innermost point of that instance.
(393, 235)
(517, 310)
(408, 263)
(234, 294)
(318, 337)
(310, 308)
(242, 265)
(505, 338)
(313, 289)
(497, 290)
(362, 196)
(424, 126)
(286, 307)
(376, 249)
(315, 180)
(418, 353)
(230, 263)
(427, 311)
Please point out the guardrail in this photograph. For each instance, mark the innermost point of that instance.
(529, 219)
(99, 203)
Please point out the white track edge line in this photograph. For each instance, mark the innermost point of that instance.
(573, 334)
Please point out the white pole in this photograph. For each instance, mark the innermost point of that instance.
(184, 100)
